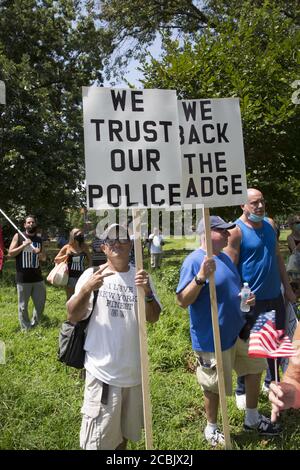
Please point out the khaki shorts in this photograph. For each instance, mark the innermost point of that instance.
(235, 358)
(103, 427)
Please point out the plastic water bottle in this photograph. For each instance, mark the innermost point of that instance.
(245, 292)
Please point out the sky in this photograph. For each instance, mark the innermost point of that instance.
(133, 75)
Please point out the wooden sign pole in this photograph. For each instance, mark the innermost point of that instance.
(216, 331)
(142, 332)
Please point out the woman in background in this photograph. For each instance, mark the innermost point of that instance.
(76, 254)
(293, 241)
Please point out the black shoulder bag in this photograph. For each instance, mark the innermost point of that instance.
(71, 340)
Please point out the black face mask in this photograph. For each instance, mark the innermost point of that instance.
(31, 230)
(79, 238)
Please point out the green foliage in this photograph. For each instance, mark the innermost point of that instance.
(133, 25)
(253, 54)
(41, 399)
(170, 277)
(48, 50)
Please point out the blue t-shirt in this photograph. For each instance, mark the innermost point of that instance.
(228, 286)
(258, 263)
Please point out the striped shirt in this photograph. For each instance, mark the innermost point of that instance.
(27, 262)
(76, 264)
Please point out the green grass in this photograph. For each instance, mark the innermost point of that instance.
(40, 399)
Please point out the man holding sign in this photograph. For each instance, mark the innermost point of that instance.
(193, 292)
(27, 249)
(113, 406)
(132, 160)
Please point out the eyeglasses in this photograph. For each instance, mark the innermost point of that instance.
(113, 241)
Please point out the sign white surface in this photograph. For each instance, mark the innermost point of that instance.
(132, 151)
(213, 161)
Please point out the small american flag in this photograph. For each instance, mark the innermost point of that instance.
(266, 341)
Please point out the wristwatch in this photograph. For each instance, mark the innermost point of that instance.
(199, 282)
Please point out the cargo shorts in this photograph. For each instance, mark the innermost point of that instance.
(235, 358)
(106, 422)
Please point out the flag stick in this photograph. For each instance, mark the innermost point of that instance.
(142, 332)
(276, 381)
(216, 331)
(276, 371)
(19, 231)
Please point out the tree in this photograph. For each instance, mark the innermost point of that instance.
(133, 25)
(253, 55)
(48, 50)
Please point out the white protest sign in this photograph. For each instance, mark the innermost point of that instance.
(132, 151)
(2, 92)
(213, 162)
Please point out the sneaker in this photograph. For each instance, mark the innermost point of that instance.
(214, 437)
(240, 401)
(265, 427)
(265, 389)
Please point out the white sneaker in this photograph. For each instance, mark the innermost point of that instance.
(214, 437)
(240, 401)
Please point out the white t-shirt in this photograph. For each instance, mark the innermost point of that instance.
(156, 243)
(112, 342)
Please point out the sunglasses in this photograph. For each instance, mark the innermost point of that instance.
(113, 241)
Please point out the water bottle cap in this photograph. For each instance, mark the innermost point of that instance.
(246, 284)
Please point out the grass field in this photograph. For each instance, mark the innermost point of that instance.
(40, 399)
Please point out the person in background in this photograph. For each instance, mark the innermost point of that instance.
(61, 241)
(113, 407)
(77, 254)
(1, 252)
(293, 238)
(30, 284)
(98, 256)
(293, 241)
(156, 243)
(193, 292)
(254, 248)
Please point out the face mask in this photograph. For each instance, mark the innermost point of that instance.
(255, 218)
(79, 238)
(31, 230)
(297, 226)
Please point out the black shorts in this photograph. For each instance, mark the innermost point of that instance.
(265, 306)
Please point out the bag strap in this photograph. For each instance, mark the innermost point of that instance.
(96, 292)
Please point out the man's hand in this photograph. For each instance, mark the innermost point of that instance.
(207, 267)
(26, 242)
(251, 299)
(282, 396)
(142, 280)
(97, 279)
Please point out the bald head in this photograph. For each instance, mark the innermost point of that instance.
(254, 209)
(254, 193)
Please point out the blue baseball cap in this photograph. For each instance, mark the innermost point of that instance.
(215, 222)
